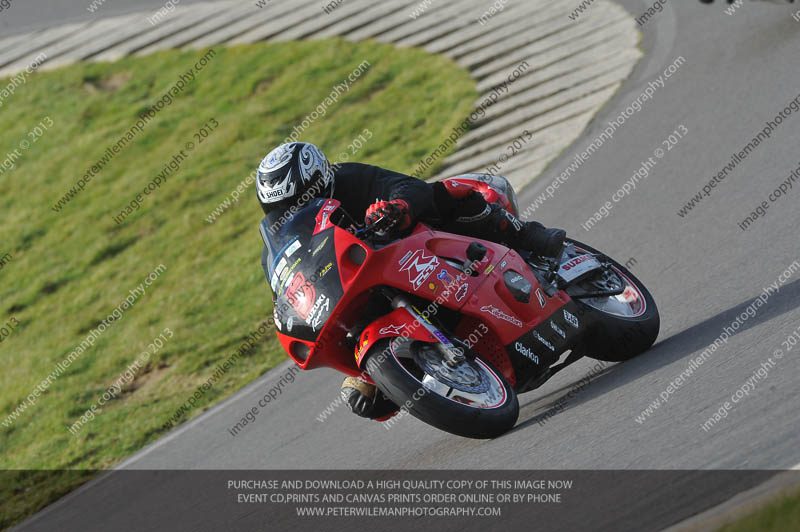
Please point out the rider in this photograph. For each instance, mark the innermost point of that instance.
(293, 174)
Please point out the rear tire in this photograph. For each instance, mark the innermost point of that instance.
(618, 338)
(398, 384)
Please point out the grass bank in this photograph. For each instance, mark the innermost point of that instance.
(68, 267)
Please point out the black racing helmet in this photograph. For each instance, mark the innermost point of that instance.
(293, 174)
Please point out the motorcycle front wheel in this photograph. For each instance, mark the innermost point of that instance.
(470, 399)
(624, 325)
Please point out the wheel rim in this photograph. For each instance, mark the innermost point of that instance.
(471, 383)
(629, 304)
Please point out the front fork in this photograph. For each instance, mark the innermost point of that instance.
(452, 354)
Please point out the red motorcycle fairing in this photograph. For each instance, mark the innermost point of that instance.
(400, 322)
(428, 264)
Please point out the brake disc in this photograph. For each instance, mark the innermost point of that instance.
(466, 376)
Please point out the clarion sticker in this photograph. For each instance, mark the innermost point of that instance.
(419, 267)
(497, 313)
(527, 353)
(571, 319)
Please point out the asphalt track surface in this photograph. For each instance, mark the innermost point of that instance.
(29, 15)
(740, 71)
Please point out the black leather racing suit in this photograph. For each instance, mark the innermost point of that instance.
(357, 186)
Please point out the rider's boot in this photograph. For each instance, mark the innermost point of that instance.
(365, 400)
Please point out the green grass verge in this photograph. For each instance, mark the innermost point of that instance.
(780, 516)
(68, 270)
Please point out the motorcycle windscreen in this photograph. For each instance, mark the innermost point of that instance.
(302, 270)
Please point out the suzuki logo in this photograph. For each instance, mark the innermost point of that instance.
(574, 262)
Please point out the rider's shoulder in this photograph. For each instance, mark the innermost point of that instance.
(353, 169)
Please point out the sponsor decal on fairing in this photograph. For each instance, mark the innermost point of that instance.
(547, 344)
(315, 315)
(392, 329)
(319, 248)
(419, 267)
(324, 271)
(523, 350)
(444, 276)
(571, 319)
(540, 297)
(497, 313)
(558, 330)
(292, 248)
(461, 293)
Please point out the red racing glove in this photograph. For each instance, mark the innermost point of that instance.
(394, 214)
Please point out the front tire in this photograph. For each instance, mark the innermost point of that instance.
(617, 337)
(394, 365)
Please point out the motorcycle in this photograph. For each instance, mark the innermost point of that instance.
(450, 328)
